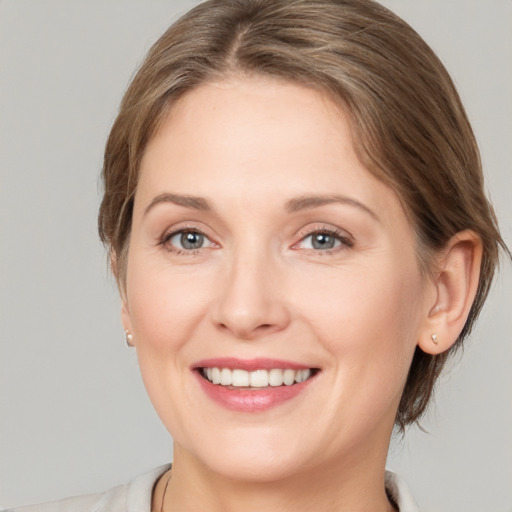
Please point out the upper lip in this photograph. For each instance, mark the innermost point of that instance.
(249, 365)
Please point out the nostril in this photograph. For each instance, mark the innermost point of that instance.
(250, 315)
(246, 331)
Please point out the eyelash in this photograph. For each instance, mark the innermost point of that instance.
(339, 236)
(346, 242)
(167, 237)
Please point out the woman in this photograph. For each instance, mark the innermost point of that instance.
(296, 220)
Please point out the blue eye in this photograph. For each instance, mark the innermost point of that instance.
(187, 240)
(325, 241)
(321, 241)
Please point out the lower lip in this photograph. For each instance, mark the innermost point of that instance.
(250, 400)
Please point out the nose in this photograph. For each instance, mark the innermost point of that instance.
(251, 302)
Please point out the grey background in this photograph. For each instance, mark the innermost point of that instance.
(74, 417)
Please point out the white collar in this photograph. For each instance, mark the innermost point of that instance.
(399, 493)
(138, 493)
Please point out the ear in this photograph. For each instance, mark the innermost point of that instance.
(454, 286)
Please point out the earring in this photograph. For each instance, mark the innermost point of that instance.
(434, 338)
(128, 338)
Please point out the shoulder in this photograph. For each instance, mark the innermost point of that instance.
(132, 497)
(399, 493)
(136, 497)
(76, 504)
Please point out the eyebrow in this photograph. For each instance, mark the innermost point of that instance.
(307, 202)
(291, 206)
(193, 202)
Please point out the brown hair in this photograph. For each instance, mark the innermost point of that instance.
(409, 126)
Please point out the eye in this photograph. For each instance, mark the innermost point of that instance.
(325, 240)
(186, 240)
(320, 241)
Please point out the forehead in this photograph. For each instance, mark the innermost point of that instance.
(239, 114)
(256, 137)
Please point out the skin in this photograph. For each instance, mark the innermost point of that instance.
(258, 288)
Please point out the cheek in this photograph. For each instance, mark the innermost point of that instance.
(165, 308)
(164, 305)
(368, 319)
(365, 299)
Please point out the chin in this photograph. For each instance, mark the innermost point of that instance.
(263, 468)
(251, 456)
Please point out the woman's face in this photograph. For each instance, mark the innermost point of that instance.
(262, 252)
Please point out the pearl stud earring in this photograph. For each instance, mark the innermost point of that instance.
(128, 338)
(434, 338)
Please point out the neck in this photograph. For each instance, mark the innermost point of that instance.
(350, 486)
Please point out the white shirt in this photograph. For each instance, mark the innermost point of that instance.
(136, 497)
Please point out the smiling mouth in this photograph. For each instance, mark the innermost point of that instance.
(257, 379)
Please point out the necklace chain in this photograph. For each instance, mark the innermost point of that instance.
(165, 491)
(390, 498)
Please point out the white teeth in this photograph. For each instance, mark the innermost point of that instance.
(302, 375)
(289, 377)
(226, 377)
(257, 378)
(275, 377)
(240, 378)
(215, 375)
